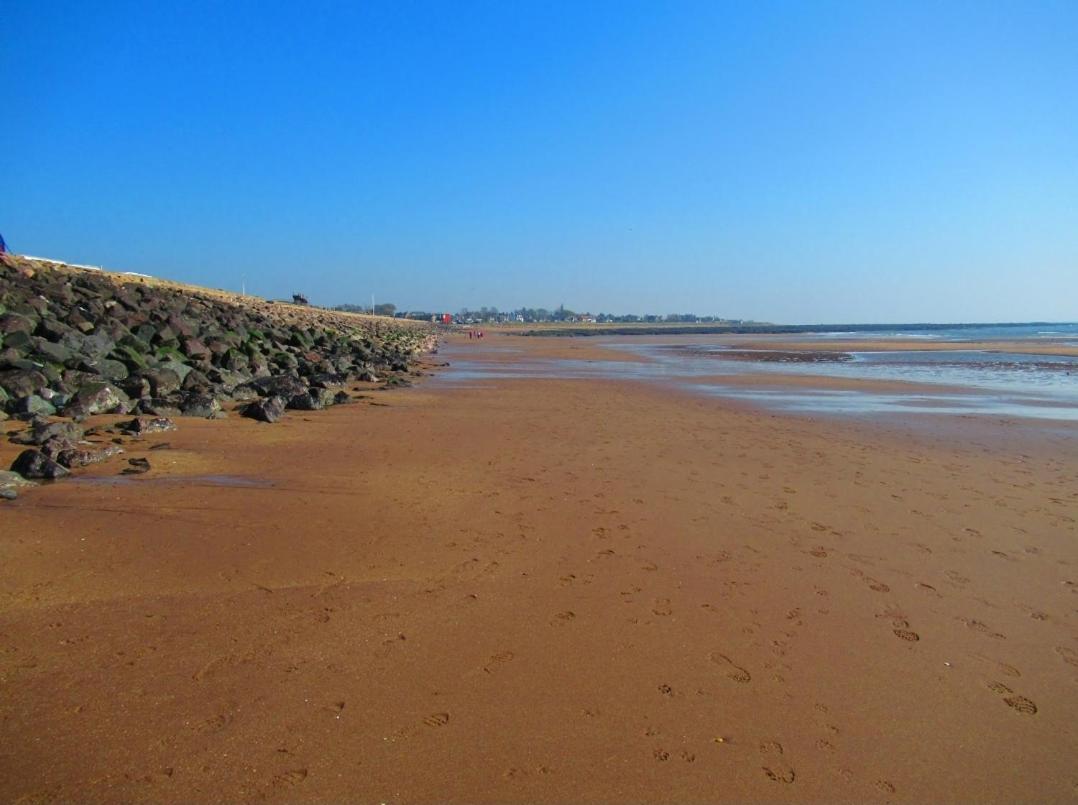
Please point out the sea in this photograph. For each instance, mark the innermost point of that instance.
(1008, 380)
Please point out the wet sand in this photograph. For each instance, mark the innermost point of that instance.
(549, 590)
(1047, 346)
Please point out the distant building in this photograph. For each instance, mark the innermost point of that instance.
(299, 299)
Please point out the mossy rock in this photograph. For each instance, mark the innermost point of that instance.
(135, 343)
(169, 353)
(132, 358)
(284, 360)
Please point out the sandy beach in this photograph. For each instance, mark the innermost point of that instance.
(549, 590)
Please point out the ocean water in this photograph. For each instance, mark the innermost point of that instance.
(981, 381)
(1066, 332)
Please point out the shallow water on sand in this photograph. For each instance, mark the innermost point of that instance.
(193, 480)
(983, 382)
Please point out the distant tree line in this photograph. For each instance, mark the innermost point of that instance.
(384, 309)
(536, 315)
(530, 315)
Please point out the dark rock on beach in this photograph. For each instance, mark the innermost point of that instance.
(13, 481)
(77, 457)
(32, 405)
(140, 427)
(35, 464)
(269, 409)
(22, 382)
(137, 466)
(42, 431)
(96, 397)
(201, 405)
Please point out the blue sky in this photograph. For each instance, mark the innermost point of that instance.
(817, 162)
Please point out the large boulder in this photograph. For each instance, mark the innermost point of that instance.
(135, 387)
(97, 345)
(14, 323)
(107, 368)
(162, 381)
(37, 465)
(234, 361)
(286, 386)
(130, 357)
(196, 381)
(49, 352)
(268, 409)
(314, 399)
(97, 398)
(328, 380)
(140, 427)
(19, 341)
(56, 445)
(75, 457)
(201, 405)
(159, 406)
(43, 430)
(179, 367)
(12, 480)
(194, 349)
(22, 382)
(53, 329)
(245, 392)
(33, 405)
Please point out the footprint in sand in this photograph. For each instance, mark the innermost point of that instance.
(216, 723)
(1003, 667)
(1017, 703)
(662, 607)
(878, 586)
(775, 771)
(564, 617)
(983, 628)
(819, 552)
(731, 669)
(906, 634)
(1069, 655)
(288, 778)
(1021, 704)
(436, 720)
(500, 658)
